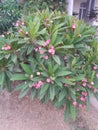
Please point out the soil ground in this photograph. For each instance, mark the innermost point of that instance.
(23, 114)
(16, 114)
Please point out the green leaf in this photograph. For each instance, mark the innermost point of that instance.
(26, 68)
(33, 93)
(20, 86)
(52, 92)
(79, 77)
(73, 111)
(23, 92)
(59, 83)
(63, 73)
(2, 79)
(30, 49)
(14, 58)
(19, 77)
(88, 101)
(67, 112)
(66, 81)
(8, 84)
(57, 59)
(72, 94)
(65, 47)
(42, 32)
(62, 95)
(54, 37)
(44, 88)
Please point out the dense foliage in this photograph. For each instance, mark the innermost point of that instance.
(9, 12)
(54, 57)
(32, 5)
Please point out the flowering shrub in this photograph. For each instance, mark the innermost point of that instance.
(54, 56)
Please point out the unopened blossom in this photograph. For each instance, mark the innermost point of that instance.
(36, 49)
(23, 23)
(92, 83)
(38, 84)
(41, 52)
(73, 27)
(2, 35)
(6, 47)
(84, 94)
(47, 19)
(51, 50)
(90, 86)
(67, 77)
(47, 42)
(83, 99)
(95, 67)
(38, 73)
(31, 76)
(8, 33)
(65, 85)
(84, 80)
(97, 75)
(40, 47)
(21, 30)
(48, 80)
(27, 33)
(95, 90)
(75, 103)
(17, 24)
(46, 57)
(84, 84)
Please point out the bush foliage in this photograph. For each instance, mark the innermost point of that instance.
(9, 13)
(54, 57)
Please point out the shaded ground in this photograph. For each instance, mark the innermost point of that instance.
(24, 114)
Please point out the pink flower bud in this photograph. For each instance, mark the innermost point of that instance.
(84, 84)
(51, 50)
(73, 26)
(47, 19)
(2, 35)
(3, 48)
(74, 103)
(95, 67)
(46, 57)
(8, 33)
(48, 80)
(31, 76)
(27, 33)
(47, 42)
(97, 75)
(92, 83)
(40, 82)
(95, 90)
(23, 23)
(17, 24)
(41, 52)
(35, 49)
(9, 47)
(84, 80)
(38, 73)
(83, 99)
(84, 94)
